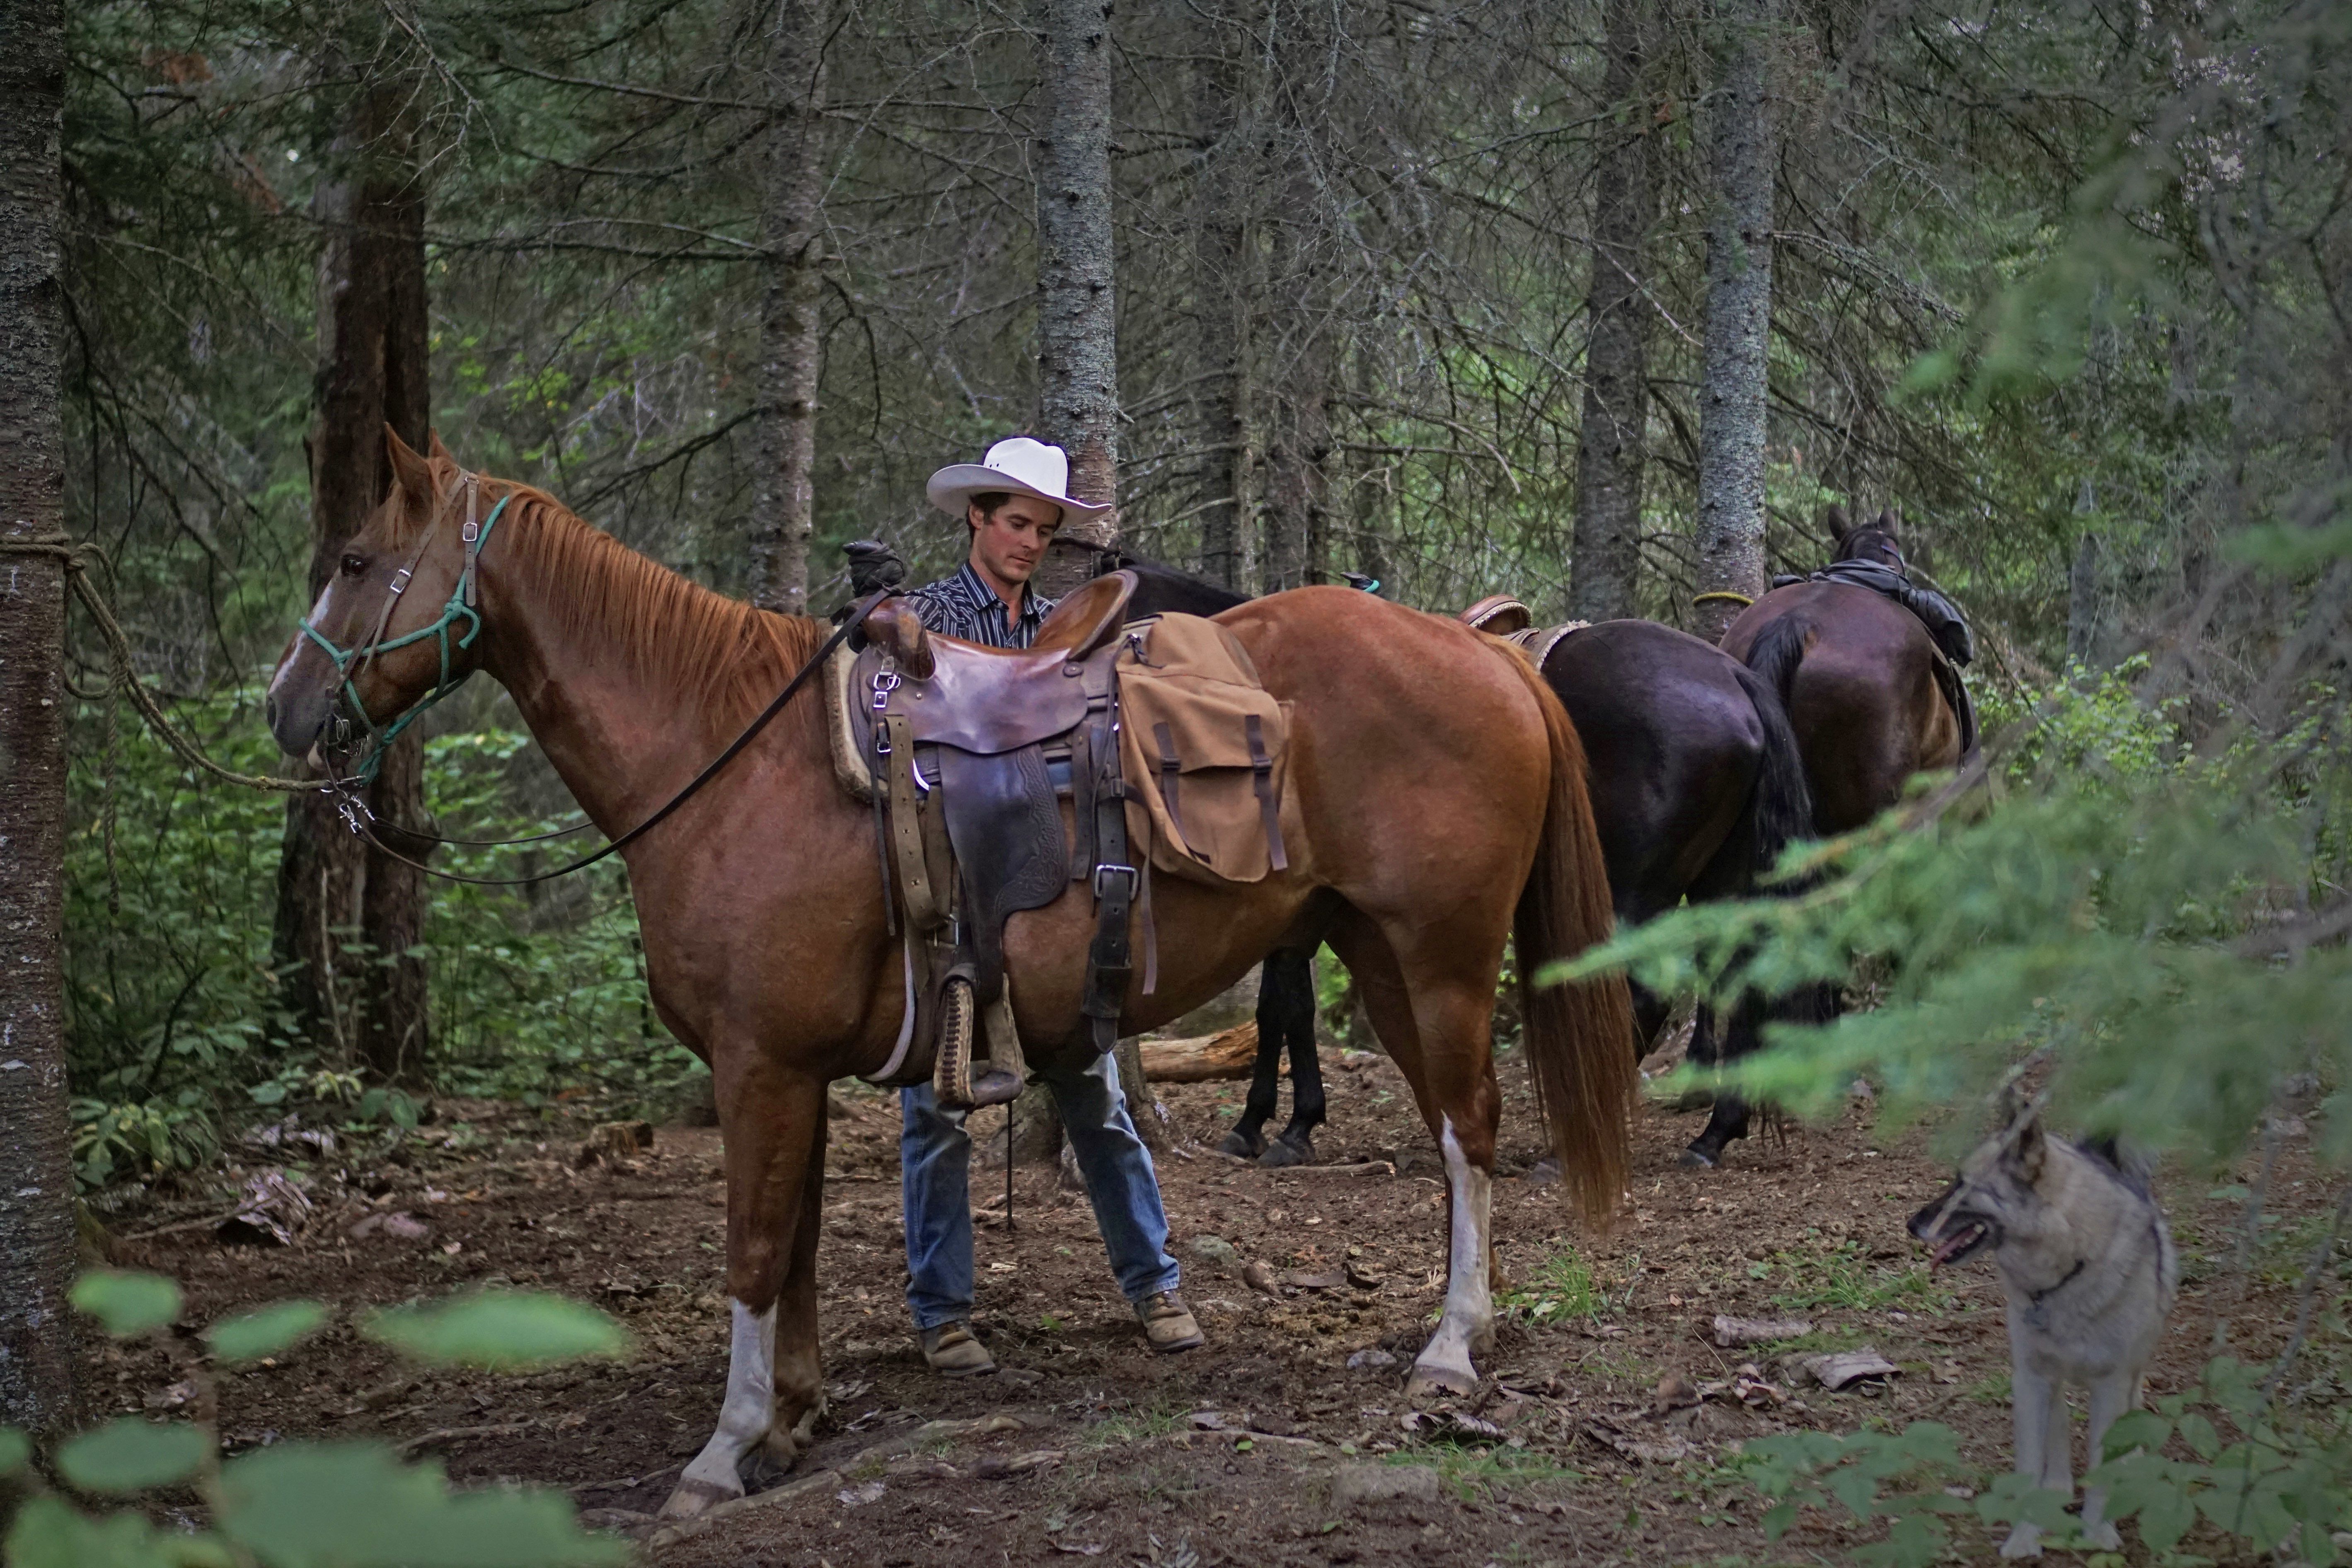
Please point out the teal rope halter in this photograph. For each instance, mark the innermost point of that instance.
(350, 661)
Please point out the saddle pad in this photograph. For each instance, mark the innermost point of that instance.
(1198, 793)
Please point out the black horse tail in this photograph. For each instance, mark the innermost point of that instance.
(1782, 803)
(1783, 799)
(1776, 654)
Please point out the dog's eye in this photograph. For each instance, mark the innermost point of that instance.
(354, 565)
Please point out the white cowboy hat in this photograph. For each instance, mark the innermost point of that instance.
(1020, 465)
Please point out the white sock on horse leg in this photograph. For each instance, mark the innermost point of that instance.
(749, 1407)
(1468, 1324)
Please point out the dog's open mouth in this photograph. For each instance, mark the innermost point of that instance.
(1970, 1234)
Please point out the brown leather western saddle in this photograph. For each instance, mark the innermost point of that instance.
(1505, 618)
(966, 752)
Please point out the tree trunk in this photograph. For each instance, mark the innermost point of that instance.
(349, 917)
(1298, 437)
(783, 506)
(37, 1218)
(1077, 349)
(1738, 315)
(1222, 292)
(1299, 447)
(1606, 556)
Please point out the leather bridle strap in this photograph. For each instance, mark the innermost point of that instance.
(401, 578)
(855, 618)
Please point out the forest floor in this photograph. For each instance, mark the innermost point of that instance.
(1249, 1451)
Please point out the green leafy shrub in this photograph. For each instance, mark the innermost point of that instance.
(300, 1504)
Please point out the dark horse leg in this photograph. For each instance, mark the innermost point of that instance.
(1729, 1117)
(1286, 1020)
(1285, 1000)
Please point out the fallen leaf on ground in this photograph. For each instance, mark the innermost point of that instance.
(1843, 1368)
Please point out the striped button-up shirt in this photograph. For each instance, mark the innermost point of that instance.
(965, 607)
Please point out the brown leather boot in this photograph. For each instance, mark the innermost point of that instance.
(1169, 1324)
(954, 1351)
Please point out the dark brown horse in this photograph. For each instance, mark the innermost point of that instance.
(1866, 691)
(1859, 676)
(1434, 802)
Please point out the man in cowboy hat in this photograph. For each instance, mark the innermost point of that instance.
(1014, 501)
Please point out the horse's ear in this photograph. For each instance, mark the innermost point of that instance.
(1838, 526)
(410, 471)
(435, 449)
(1890, 521)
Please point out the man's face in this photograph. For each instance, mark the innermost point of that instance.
(1007, 547)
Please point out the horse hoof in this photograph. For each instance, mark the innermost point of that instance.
(1239, 1147)
(694, 1497)
(1287, 1151)
(1697, 1159)
(1436, 1380)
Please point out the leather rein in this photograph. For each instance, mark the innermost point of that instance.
(350, 663)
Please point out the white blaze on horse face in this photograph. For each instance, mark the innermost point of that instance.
(317, 617)
(750, 1408)
(1469, 1321)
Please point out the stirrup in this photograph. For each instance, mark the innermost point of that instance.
(952, 1080)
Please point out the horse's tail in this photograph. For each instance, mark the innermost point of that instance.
(1782, 803)
(1580, 1037)
(1783, 800)
(1776, 654)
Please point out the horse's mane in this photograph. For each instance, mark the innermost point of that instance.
(723, 655)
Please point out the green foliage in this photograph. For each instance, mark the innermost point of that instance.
(2167, 1468)
(2281, 1490)
(503, 1329)
(176, 1035)
(48, 1534)
(127, 1303)
(266, 1332)
(354, 1505)
(128, 1455)
(1897, 1477)
(302, 1504)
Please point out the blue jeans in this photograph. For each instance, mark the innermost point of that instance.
(935, 1174)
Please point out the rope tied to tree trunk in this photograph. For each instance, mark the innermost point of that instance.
(1723, 597)
(122, 675)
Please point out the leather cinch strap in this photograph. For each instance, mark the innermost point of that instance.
(1110, 958)
(1262, 781)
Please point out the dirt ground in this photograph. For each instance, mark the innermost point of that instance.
(1232, 1454)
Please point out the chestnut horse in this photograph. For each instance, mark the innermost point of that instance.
(1436, 787)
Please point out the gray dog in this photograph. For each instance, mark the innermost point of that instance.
(2090, 1273)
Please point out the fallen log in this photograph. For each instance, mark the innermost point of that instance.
(1208, 1059)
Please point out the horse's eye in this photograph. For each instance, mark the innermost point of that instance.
(354, 565)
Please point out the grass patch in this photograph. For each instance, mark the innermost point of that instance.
(1993, 1390)
(1560, 1289)
(1466, 1470)
(1132, 1427)
(1843, 1279)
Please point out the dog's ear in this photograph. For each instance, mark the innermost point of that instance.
(1839, 527)
(2028, 1148)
